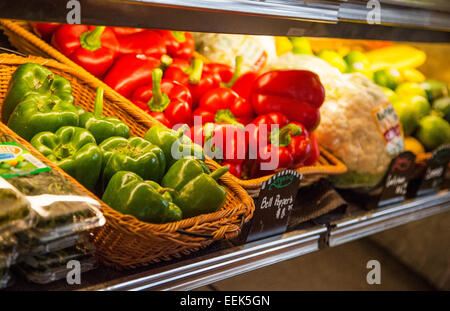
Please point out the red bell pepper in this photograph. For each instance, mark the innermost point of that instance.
(131, 71)
(223, 105)
(125, 31)
(315, 151)
(166, 100)
(44, 30)
(233, 168)
(228, 75)
(285, 146)
(226, 143)
(244, 83)
(93, 48)
(147, 42)
(179, 44)
(296, 93)
(195, 78)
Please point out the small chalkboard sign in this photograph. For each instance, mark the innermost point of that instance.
(435, 171)
(274, 204)
(397, 178)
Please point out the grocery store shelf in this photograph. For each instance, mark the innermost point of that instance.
(228, 262)
(367, 223)
(399, 20)
(197, 272)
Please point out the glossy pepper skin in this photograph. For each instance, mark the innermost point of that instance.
(39, 113)
(222, 141)
(227, 74)
(296, 93)
(185, 169)
(102, 127)
(315, 151)
(131, 71)
(289, 144)
(197, 192)
(147, 42)
(125, 31)
(93, 48)
(243, 85)
(74, 150)
(44, 30)
(30, 79)
(168, 140)
(135, 155)
(179, 44)
(195, 78)
(223, 105)
(146, 200)
(166, 100)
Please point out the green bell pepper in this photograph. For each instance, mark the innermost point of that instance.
(197, 191)
(39, 113)
(134, 154)
(32, 79)
(165, 138)
(103, 127)
(74, 150)
(144, 199)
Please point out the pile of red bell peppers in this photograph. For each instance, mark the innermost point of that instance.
(255, 116)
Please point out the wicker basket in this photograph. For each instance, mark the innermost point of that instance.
(21, 36)
(125, 242)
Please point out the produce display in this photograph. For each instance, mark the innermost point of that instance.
(99, 152)
(257, 105)
(160, 73)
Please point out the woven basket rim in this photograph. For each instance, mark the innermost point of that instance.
(245, 207)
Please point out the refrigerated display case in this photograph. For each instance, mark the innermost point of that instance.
(333, 25)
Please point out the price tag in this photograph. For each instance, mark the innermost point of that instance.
(397, 178)
(435, 172)
(274, 204)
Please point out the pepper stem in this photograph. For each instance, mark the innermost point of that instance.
(166, 61)
(237, 71)
(179, 36)
(159, 100)
(226, 116)
(98, 107)
(90, 40)
(282, 137)
(181, 130)
(219, 172)
(195, 71)
(46, 85)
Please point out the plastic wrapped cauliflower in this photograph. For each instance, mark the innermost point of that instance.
(358, 123)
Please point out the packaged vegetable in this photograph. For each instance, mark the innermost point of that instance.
(43, 269)
(61, 208)
(8, 250)
(15, 210)
(257, 51)
(32, 246)
(5, 278)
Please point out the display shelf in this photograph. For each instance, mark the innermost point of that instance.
(224, 260)
(398, 20)
(369, 222)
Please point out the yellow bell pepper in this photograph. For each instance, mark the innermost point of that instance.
(397, 56)
(283, 45)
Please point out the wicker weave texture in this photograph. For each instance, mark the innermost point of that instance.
(125, 242)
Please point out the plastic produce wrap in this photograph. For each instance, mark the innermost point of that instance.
(62, 211)
(257, 51)
(358, 123)
(34, 247)
(15, 210)
(5, 278)
(8, 250)
(51, 267)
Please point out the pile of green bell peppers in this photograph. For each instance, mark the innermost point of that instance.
(159, 178)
